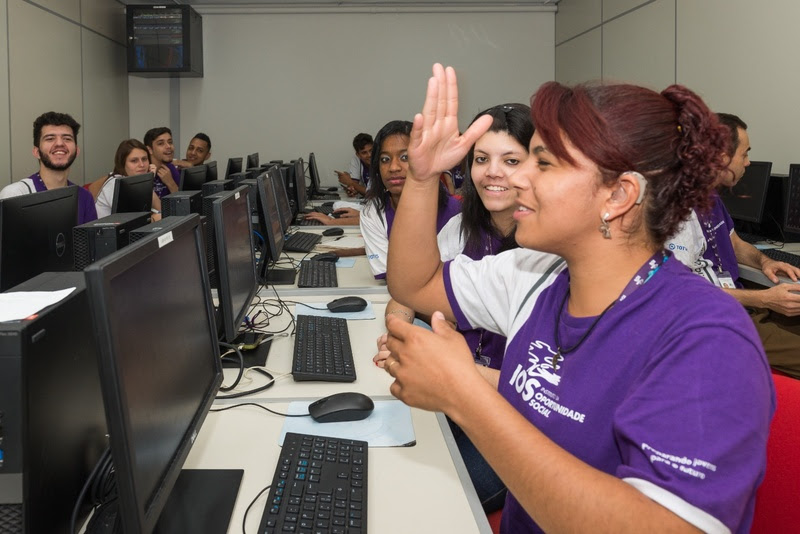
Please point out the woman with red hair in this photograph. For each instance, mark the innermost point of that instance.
(633, 395)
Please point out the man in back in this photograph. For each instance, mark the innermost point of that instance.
(55, 145)
(159, 143)
(357, 180)
(708, 244)
(197, 153)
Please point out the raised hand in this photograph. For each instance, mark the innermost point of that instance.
(436, 144)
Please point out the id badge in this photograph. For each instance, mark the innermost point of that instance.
(725, 280)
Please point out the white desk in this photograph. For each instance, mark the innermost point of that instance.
(756, 276)
(415, 489)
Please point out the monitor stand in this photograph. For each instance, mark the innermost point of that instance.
(278, 277)
(201, 501)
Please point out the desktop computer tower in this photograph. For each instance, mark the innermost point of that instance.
(182, 203)
(98, 239)
(217, 186)
(52, 420)
(157, 228)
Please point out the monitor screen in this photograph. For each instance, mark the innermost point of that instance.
(193, 178)
(281, 197)
(234, 166)
(252, 161)
(791, 222)
(745, 200)
(158, 383)
(299, 177)
(211, 170)
(235, 258)
(270, 222)
(36, 234)
(313, 172)
(133, 193)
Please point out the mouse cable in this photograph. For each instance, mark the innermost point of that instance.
(104, 458)
(250, 392)
(306, 305)
(258, 406)
(233, 349)
(244, 519)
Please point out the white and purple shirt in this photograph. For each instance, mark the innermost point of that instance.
(671, 391)
(159, 188)
(376, 226)
(35, 184)
(694, 243)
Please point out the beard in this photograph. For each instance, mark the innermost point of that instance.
(48, 163)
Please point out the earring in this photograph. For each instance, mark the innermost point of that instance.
(604, 228)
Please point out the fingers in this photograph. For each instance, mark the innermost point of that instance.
(442, 86)
(441, 326)
(476, 130)
(451, 93)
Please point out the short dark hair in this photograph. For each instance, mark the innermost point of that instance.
(361, 140)
(52, 118)
(152, 133)
(203, 137)
(733, 123)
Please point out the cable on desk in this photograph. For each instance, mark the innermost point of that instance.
(250, 392)
(244, 519)
(231, 350)
(259, 406)
(306, 305)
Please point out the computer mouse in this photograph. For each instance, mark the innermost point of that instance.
(347, 406)
(325, 256)
(328, 204)
(332, 231)
(347, 304)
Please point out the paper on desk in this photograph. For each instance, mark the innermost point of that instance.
(366, 313)
(22, 304)
(345, 263)
(389, 425)
(348, 241)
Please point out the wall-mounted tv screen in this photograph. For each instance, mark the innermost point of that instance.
(164, 41)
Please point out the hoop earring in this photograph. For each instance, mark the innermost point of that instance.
(604, 228)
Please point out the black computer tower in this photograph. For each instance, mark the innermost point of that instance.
(98, 239)
(217, 186)
(52, 420)
(182, 203)
(157, 228)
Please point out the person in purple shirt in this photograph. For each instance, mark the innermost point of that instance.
(707, 242)
(162, 151)
(633, 396)
(55, 145)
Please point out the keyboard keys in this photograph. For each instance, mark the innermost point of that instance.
(322, 352)
(782, 255)
(317, 274)
(301, 242)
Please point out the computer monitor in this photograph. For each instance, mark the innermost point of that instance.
(235, 258)
(36, 234)
(269, 221)
(316, 181)
(297, 176)
(133, 194)
(281, 197)
(252, 161)
(193, 178)
(745, 200)
(159, 372)
(791, 219)
(234, 166)
(211, 170)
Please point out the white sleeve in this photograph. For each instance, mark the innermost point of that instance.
(355, 168)
(105, 198)
(450, 240)
(376, 242)
(689, 243)
(494, 291)
(17, 189)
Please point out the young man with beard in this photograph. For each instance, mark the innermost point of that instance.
(55, 145)
(159, 142)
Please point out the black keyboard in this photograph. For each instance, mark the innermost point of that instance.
(325, 210)
(317, 274)
(782, 255)
(323, 196)
(750, 238)
(301, 221)
(319, 485)
(322, 350)
(301, 242)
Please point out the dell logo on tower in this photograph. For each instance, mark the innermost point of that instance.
(61, 244)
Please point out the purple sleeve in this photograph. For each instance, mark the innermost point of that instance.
(176, 173)
(718, 458)
(461, 319)
(451, 209)
(86, 210)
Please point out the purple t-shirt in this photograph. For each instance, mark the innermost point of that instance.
(717, 226)
(492, 346)
(86, 209)
(158, 186)
(648, 397)
(450, 210)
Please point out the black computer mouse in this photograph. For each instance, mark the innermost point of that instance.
(347, 406)
(325, 256)
(332, 231)
(347, 304)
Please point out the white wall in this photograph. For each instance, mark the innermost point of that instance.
(286, 84)
(739, 55)
(67, 56)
